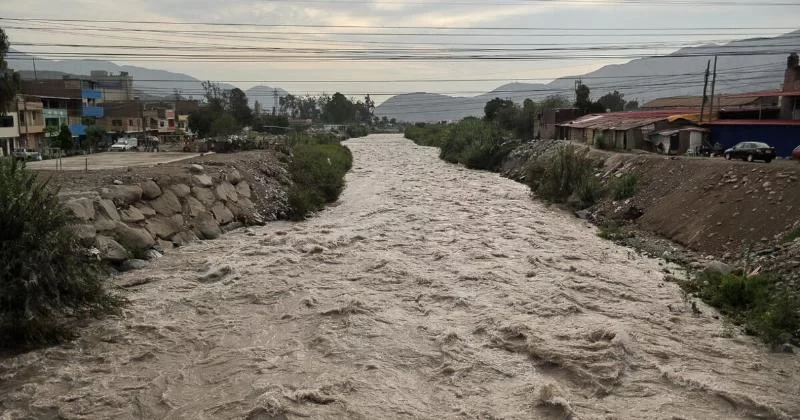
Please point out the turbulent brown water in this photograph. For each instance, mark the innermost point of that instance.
(429, 291)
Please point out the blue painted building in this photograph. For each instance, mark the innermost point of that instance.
(783, 135)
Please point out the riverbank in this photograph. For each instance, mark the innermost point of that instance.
(410, 297)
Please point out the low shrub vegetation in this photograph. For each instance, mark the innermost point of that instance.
(792, 235)
(317, 168)
(760, 304)
(46, 282)
(353, 131)
(472, 142)
(624, 187)
(567, 176)
(610, 231)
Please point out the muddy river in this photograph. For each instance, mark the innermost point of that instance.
(429, 291)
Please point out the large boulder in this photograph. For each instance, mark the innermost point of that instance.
(166, 205)
(242, 212)
(203, 180)
(83, 208)
(222, 213)
(104, 224)
(233, 176)
(205, 195)
(184, 237)
(131, 265)
(227, 192)
(133, 238)
(206, 227)
(162, 227)
(131, 215)
(193, 207)
(146, 210)
(107, 209)
(196, 169)
(150, 190)
(85, 233)
(717, 267)
(181, 190)
(243, 189)
(122, 195)
(110, 249)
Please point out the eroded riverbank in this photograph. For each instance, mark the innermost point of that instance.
(429, 291)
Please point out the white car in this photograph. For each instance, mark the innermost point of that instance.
(125, 144)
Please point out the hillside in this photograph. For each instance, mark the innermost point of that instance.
(680, 73)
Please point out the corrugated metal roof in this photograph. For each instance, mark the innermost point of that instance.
(741, 99)
(770, 93)
(628, 120)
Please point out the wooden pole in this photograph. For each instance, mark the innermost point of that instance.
(705, 86)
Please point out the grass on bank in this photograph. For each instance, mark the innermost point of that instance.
(624, 187)
(317, 169)
(760, 304)
(567, 176)
(792, 235)
(46, 282)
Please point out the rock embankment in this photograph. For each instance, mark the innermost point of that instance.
(123, 222)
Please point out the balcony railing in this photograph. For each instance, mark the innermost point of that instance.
(93, 111)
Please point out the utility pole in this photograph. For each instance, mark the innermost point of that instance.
(713, 85)
(705, 87)
(33, 58)
(275, 102)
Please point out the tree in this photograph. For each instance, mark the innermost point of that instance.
(239, 109)
(612, 101)
(94, 135)
(393, 121)
(273, 124)
(582, 99)
(215, 96)
(523, 127)
(554, 102)
(64, 139)
(223, 125)
(9, 80)
(494, 106)
(632, 105)
(200, 121)
(338, 109)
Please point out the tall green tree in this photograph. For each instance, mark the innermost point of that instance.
(632, 105)
(200, 121)
(338, 109)
(554, 102)
(9, 80)
(223, 125)
(94, 135)
(239, 108)
(64, 139)
(612, 101)
(584, 102)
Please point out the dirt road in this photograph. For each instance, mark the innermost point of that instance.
(429, 291)
(110, 160)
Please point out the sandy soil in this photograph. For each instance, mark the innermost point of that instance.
(428, 291)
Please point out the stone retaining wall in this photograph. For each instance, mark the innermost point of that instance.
(123, 222)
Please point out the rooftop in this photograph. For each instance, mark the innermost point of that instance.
(628, 120)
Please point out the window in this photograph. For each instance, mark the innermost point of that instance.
(161, 123)
(116, 123)
(130, 122)
(22, 118)
(6, 121)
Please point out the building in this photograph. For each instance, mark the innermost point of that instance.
(31, 123)
(81, 100)
(9, 132)
(122, 117)
(734, 102)
(159, 118)
(644, 130)
(783, 135)
(113, 87)
(548, 120)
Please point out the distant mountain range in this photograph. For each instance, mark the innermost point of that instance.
(642, 79)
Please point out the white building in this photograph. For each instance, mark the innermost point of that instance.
(9, 131)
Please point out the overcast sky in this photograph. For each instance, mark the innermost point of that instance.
(572, 15)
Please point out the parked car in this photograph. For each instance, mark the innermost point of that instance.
(750, 151)
(25, 154)
(125, 144)
(796, 153)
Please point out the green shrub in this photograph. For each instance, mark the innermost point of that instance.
(45, 280)
(791, 236)
(624, 187)
(761, 304)
(427, 134)
(353, 131)
(610, 231)
(567, 172)
(317, 171)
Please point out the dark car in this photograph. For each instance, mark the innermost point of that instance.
(750, 151)
(796, 153)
